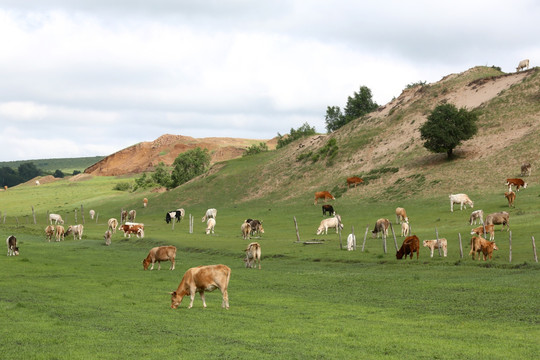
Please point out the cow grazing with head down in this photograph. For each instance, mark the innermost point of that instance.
(77, 230)
(432, 245)
(56, 218)
(49, 231)
(401, 215)
(526, 169)
(324, 195)
(210, 214)
(355, 180)
(132, 228)
(489, 229)
(523, 64)
(333, 222)
(405, 229)
(518, 183)
(159, 254)
(511, 197)
(328, 209)
(60, 232)
(381, 227)
(92, 214)
(499, 218)
(200, 279)
(145, 202)
(410, 245)
(132, 214)
(253, 255)
(479, 244)
(256, 226)
(477, 216)
(461, 199)
(210, 225)
(107, 237)
(12, 249)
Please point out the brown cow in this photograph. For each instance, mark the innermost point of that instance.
(12, 249)
(409, 246)
(200, 279)
(511, 197)
(490, 229)
(526, 169)
(499, 218)
(144, 202)
(60, 232)
(49, 231)
(325, 195)
(159, 254)
(132, 228)
(355, 180)
(253, 255)
(479, 244)
(517, 183)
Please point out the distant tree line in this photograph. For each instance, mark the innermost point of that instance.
(358, 105)
(26, 171)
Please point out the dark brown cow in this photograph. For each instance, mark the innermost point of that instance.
(526, 169)
(200, 279)
(355, 180)
(518, 183)
(12, 249)
(328, 209)
(159, 254)
(325, 195)
(409, 246)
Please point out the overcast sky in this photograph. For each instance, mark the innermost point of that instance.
(91, 77)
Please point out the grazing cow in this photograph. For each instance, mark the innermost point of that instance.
(328, 209)
(76, 229)
(332, 222)
(200, 279)
(461, 199)
(499, 218)
(131, 215)
(107, 237)
(477, 216)
(479, 244)
(210, 214)
(351, 242)
(405, 229)
(49, 231)
(57, 219)
(401, 215)
(183, 212)
(12, 249)
(60, 232)
(92, 214)
(355, 180)
(325, 195)
(526, 169)
(132, 228)
(210, 225)
(409, 246)
(381, 227)
(253, 255)
(37, 183)
(517, 183)
(490, 229)
(246, 230)
(159, 254)
(256, 226)
(523, 64)
(144, 202)
(123, 216)
(113, 224)
(511, 197)
(175, 214)
(432, 245)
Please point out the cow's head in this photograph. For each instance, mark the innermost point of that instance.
(145, 263)
(176, 299)
(495, 247)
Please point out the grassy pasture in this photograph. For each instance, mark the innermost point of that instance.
(81, 299)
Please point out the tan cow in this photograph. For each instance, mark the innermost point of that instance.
(107, 237)
(333, 222)
(405, 229)
(324, 195)
(511, 197)
(49, 231)
(60, 232)
(113, 224)
(432, 245)
(499, 218)
(479, 244)
(253, 255)
(523, 64)
(210, 226)
(381, 227)
(132, 214)
(490, 229)
(200, 279)
(461, 199)
(77, 230)
(159, 254)
(246, 230)
(401, 215)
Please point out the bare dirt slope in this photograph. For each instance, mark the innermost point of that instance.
(146, 155)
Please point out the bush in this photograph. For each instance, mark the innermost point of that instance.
(122, 186)
(256, 149)
(302, 131)
(189, 164)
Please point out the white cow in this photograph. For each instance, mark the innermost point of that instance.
(461, 199)
(476, 216)
(210, 225)
(92, 214)
(523, 64)
(77, 230)
(332, 222)
(351, 242)
(432, 245)
(210, 214)
(57, 219)
(405, 229)
(113, 224)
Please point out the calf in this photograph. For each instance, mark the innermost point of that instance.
(405, 229)
(328, 209)
(200, 279)
(518, 183)
(253, 255)
(432, 245)
(409, 246)
(401, 215)
(12, 249)
(92, 214)
(60, 232)
(49, 231)
(159, 254)
(246, 230)
(490, 229)
(333, 222)
(381, 227)
(210, 225)
(476, 216)
(461, 199)
(107, 237)
(511, 197)
(76, 229)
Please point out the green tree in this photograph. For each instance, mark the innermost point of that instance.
(58, 174)
(447, 127)
(189, 164)
(302, 131)
(161, 175)
(358, 105)
(28, 171)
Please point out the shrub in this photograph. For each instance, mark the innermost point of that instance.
(256, 149)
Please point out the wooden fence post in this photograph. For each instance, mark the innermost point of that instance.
(384, 242)
(34, 215)
(438, 241)
(296, 226)
(460, 247)
(339, 231)
(510, 247)
(365, 235)
(534, 249)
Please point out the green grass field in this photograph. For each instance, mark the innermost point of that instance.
(83, 300)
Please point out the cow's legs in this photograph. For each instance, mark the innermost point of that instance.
(225, 302)
(159, 265)
(203, 299)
